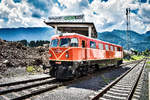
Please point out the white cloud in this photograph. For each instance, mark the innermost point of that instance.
(144, 12)
(112, 15)
(17, 15)
(70, 3)
(70, 7)
(56, 10)
(106, 15)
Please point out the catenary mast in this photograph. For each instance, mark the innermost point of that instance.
(128, 28)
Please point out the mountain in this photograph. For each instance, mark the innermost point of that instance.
(30, 33)
(138, 41)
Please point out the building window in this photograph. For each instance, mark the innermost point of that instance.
(92, 44)
(100, 45)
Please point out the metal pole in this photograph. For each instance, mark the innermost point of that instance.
(127, 31)
(56, 29)
(89, 31)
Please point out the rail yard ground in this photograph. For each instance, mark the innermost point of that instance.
(78, 90)
(145, 86)
(18, 63)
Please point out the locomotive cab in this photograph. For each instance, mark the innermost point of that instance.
(64, 56)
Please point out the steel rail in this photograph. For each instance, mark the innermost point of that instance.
(136, 83)
(24, 81)
(113, 83)
(37, 92)
(26, 87)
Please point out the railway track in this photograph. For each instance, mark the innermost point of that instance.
(125, 87)
(28, 88)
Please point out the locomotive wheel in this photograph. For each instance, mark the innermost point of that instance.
(118, 63)
(85, 70)
(96, 67)
(121, 61)
(77, 73)
(60, 73)
(52, 72)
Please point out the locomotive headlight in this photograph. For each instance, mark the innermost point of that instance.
(70, 67)
(67, 55)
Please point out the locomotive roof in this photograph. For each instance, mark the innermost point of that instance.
(74, 27)
(70, 34)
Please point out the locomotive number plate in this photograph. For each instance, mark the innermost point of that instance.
(58, 62)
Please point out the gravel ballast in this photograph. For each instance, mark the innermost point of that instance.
(21, 78)
(83, 89)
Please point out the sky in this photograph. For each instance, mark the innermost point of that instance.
(106, 14)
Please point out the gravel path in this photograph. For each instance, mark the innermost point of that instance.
(83, 89)
(21, 78)
(144, 91)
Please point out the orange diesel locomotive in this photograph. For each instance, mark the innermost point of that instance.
(73, 55)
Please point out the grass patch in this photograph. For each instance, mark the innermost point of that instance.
(135, 57)
(147, 66)
(30, 69)
(127, 60)
(34, 69)
(148, 62)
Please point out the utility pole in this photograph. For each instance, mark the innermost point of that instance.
(128, 28)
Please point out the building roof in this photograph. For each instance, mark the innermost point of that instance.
(74, 27)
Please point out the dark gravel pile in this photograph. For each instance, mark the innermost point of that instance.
(14, 54)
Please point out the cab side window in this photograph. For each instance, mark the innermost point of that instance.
(74, 42)
(83, 44)
(119, 49)
(100, 45)
(111, 48)
(107, 47)
(92, 44)
(115, 48)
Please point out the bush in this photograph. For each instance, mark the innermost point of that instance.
(148, 62)
(135, 57)
(30, 69)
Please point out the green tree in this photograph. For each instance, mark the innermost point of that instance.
(32, 44)
(24, 42)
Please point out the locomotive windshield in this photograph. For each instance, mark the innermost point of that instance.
(54, 43)
(65, 42)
